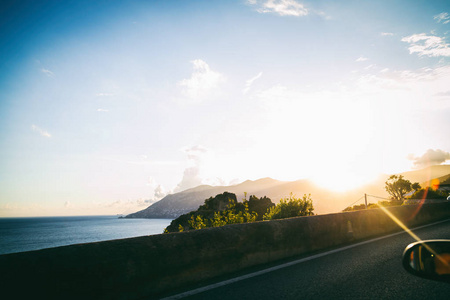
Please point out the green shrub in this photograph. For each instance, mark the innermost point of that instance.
(291, 207)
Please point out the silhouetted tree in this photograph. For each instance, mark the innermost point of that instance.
(398, 187)
(259, 205)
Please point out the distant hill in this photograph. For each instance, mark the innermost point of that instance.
(174, 205)
(324, 201)
(425, 175)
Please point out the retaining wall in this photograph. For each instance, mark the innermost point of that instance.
(145, 267)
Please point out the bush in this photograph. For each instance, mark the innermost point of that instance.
(291, 207)
(221, 210)
(429, 193)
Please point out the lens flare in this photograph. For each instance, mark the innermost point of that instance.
(412, 234)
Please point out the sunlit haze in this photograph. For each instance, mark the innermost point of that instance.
(107, 106)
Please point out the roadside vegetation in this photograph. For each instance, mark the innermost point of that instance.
(291, 207)
(224, 209)
(398, 189)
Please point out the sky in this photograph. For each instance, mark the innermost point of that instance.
(108, 106)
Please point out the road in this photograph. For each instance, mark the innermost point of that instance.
(370, 270)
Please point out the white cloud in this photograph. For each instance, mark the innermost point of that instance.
(430, 158)
(47, 72)
(369, 67)
(387, 34)
(159, 192)
(361, 58)
(427, 45)
(202, 81)
(202, 168)
(280, 7)
(442, 17)
(102, 110)
(41, 131)
(191, 176)
(249, 82)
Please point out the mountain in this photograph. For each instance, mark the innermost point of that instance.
(426, 175)
(174, 205)
(324, 200)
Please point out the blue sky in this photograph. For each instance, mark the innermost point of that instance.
(106, 106)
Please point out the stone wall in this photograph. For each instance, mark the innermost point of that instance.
(145, 267)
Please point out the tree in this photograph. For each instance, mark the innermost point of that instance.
(416, 186)
(221, 210)
(259, 205)
(291, 207)
(398, 187)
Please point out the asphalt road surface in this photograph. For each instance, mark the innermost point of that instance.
(370, 270)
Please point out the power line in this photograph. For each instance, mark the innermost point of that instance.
(369, 196)
(355, 202)
(379, 197)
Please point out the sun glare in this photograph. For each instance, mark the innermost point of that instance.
(342, 181)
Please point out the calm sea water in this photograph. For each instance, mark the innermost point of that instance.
(25, 234)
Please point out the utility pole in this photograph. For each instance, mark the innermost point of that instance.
(365, 199)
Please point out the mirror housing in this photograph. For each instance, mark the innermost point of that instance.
(428, 259)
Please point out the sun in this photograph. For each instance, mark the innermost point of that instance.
(339, 182)
(342, 179)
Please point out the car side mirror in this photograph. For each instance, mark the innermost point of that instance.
(428, 259)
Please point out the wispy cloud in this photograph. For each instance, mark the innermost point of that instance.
(361, 58)
(442, 17)
(201, 82)
(407, 79)
(414, 85)
(280, 7)
(48, 72)
(370, 67)
(387, 34)
(126, 206)
(427, 45)
(249, 82)
(102, 110)
(41, 131)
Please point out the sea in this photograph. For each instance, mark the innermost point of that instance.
(26, 234)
